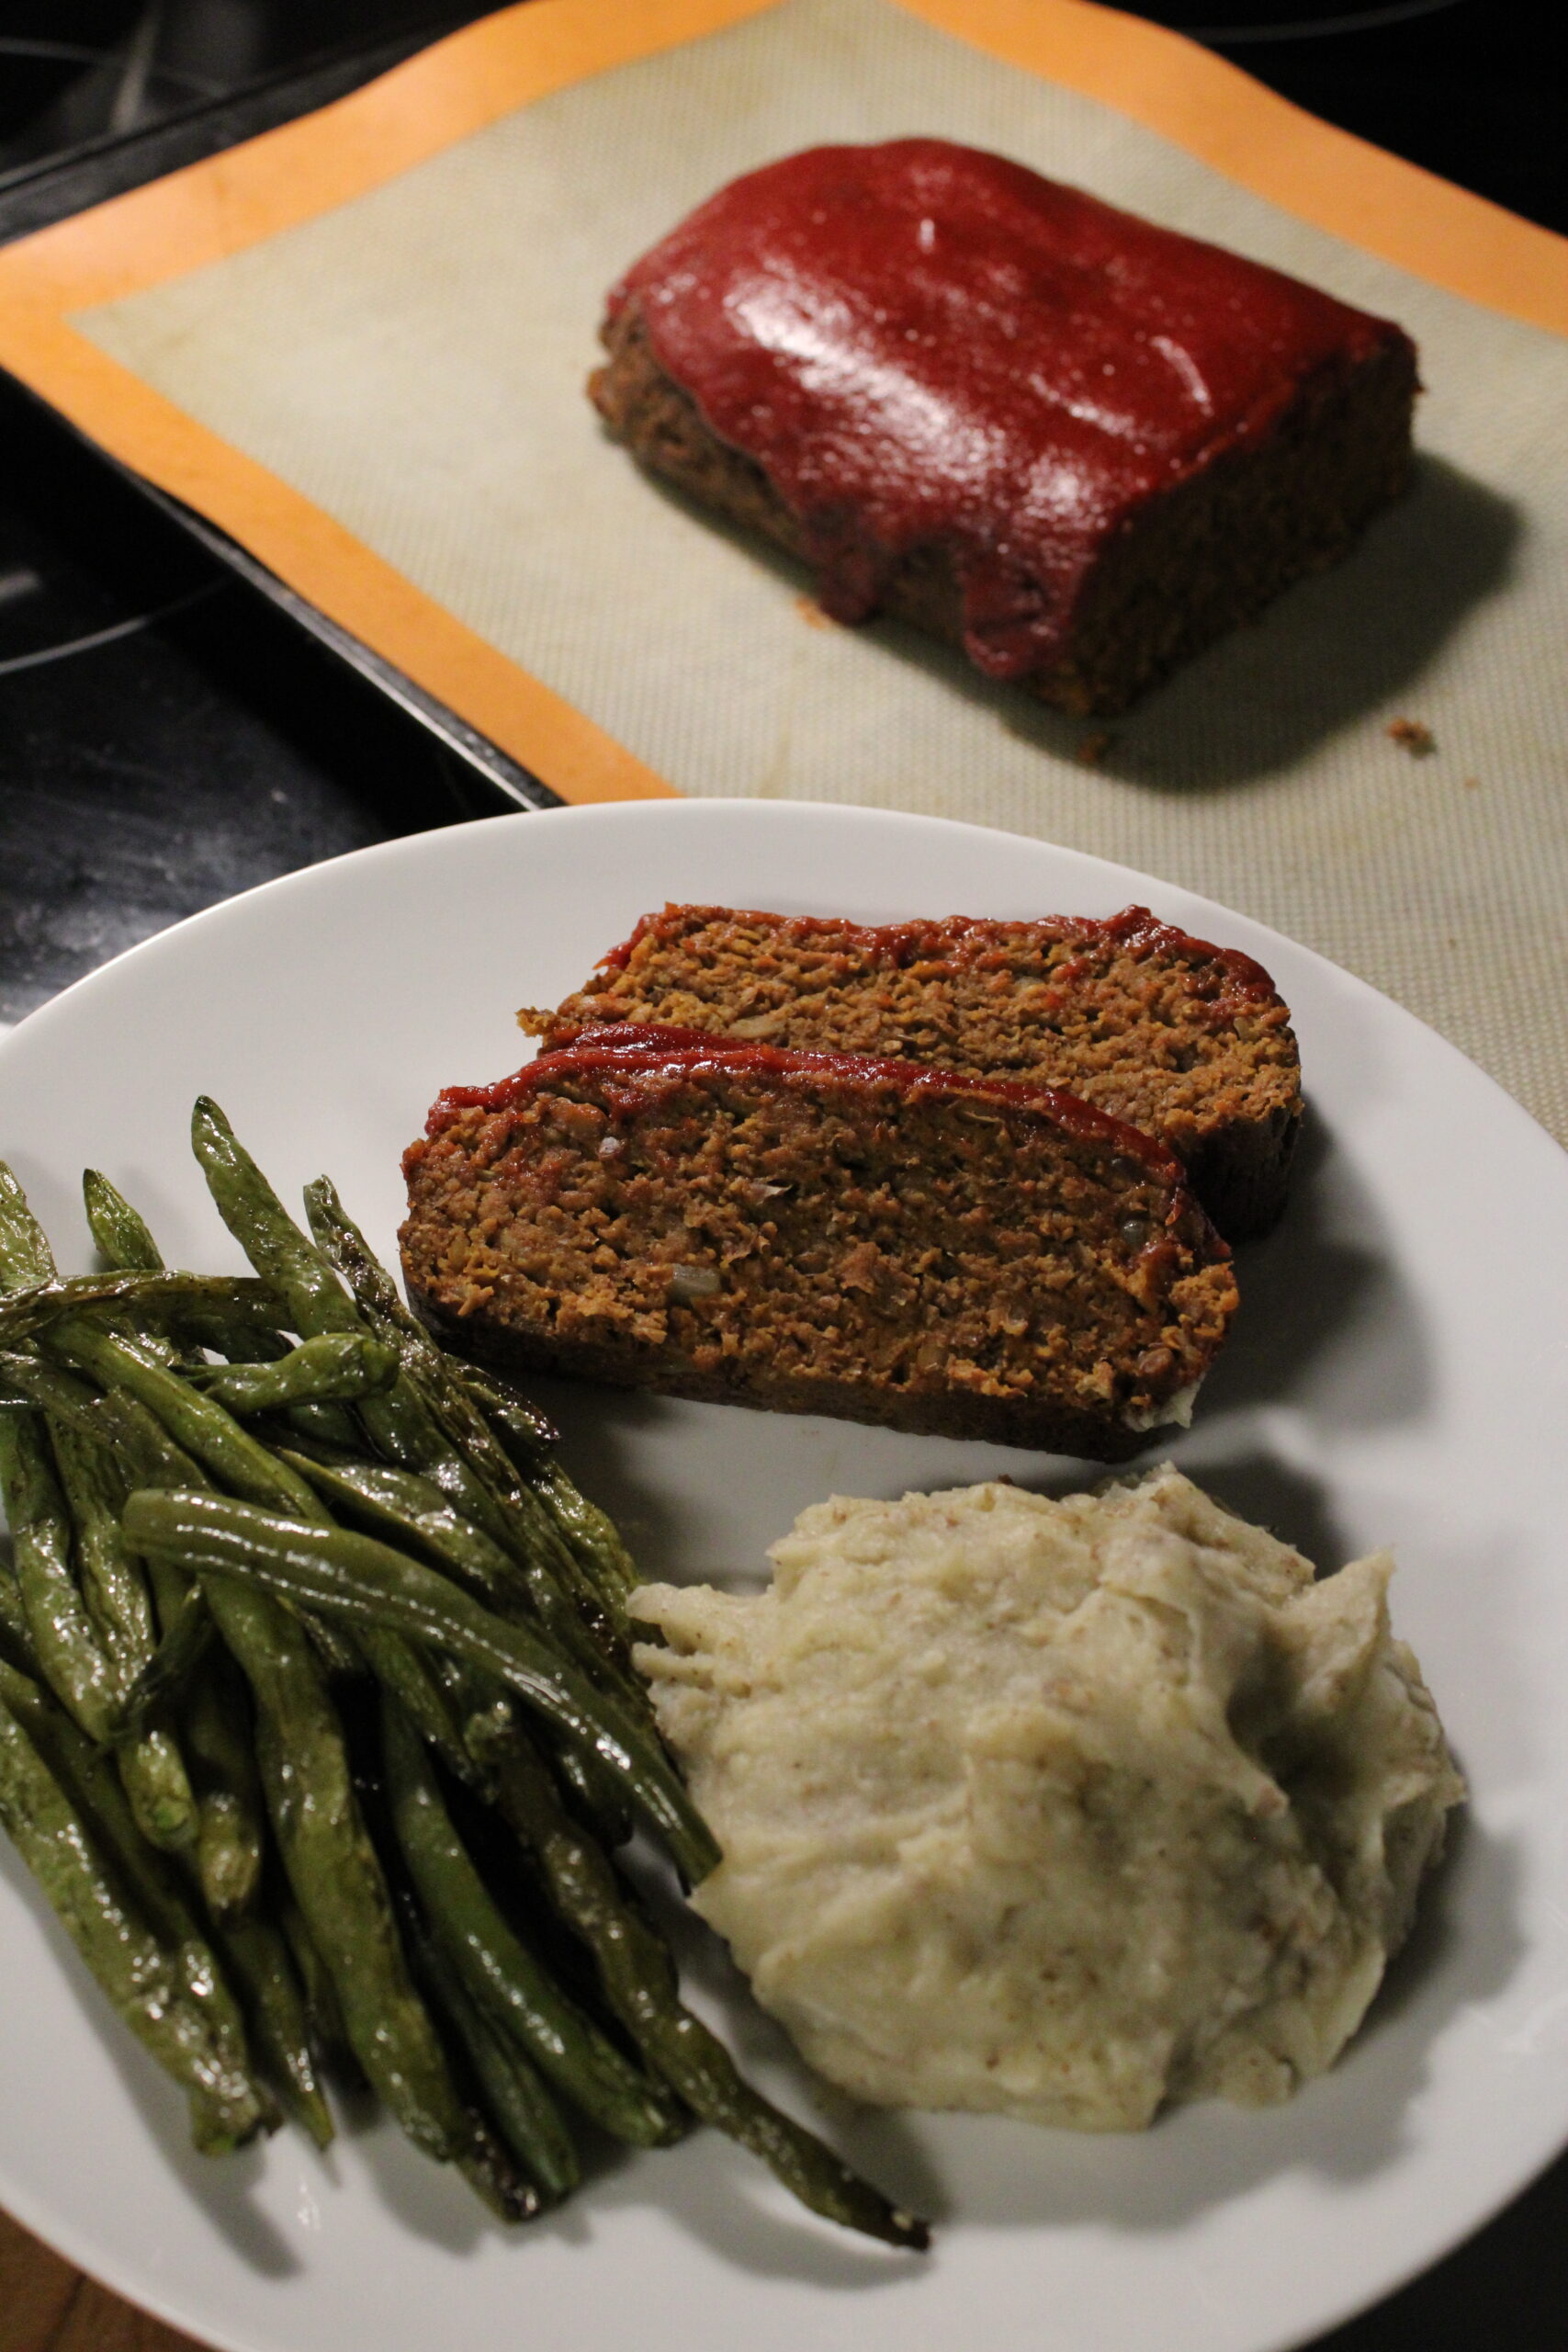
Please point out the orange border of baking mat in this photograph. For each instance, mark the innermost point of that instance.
(233, 200)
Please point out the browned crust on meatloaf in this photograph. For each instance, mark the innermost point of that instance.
(1211, 553)
(904, 1248)
(1190, 1041)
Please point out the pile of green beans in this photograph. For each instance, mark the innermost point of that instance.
(319, 1728)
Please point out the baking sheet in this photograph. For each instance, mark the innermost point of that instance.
(385, 351)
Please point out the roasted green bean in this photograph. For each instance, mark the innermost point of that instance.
(316, 1302)
(335, 1367)
(637, 1975)
(525, 1437)
(169, 1669)
(509, 1983)
(398, 1423)
(406, 1673)
(353, 1576)
(194, 1422)
(147, 1885)
(25, 1312)
(146, 1454)
(14, 1640)
(263, 1967)
(119, 1617)
(178, 1579)
(156, 1782)
(332, 1869)
(122, 1237)
(305, 1775)
(64, 1642)
(513, 2089)
(112, 1583)
(492, 2173)
(324, 2016)
(412, 1512)
(514, 1458)
(26, 1258)
(219, 1750)
(100, 1915)
(470, 1466)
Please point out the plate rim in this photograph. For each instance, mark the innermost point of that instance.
(145, 2293)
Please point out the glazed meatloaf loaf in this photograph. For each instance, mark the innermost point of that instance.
(819, 1233)
(1077, 445)
(1190, 1042)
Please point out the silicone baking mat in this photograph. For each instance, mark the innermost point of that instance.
(358, 344)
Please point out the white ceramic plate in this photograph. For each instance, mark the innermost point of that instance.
(1398, 1375)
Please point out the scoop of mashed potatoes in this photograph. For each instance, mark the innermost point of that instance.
(1060, 1809)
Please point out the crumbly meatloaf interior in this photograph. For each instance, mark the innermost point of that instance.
(1208, 555)
(1188, 1042)
(932, 1258)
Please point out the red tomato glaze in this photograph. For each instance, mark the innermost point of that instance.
(642, 1050)
(918, 342)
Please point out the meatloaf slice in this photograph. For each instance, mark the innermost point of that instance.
(819, 1233)
(1190, 1041)
(1079, 445)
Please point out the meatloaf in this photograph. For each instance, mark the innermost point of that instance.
(1190, 1042)
(819, 1233)
(1077, 443)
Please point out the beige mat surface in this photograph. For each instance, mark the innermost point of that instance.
(409, 361)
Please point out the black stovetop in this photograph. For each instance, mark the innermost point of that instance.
(167, 736)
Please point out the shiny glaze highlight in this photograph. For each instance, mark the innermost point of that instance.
(919, 344)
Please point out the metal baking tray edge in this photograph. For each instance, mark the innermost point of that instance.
(54, 190)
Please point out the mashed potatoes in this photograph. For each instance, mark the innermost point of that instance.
(1061, 1809)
